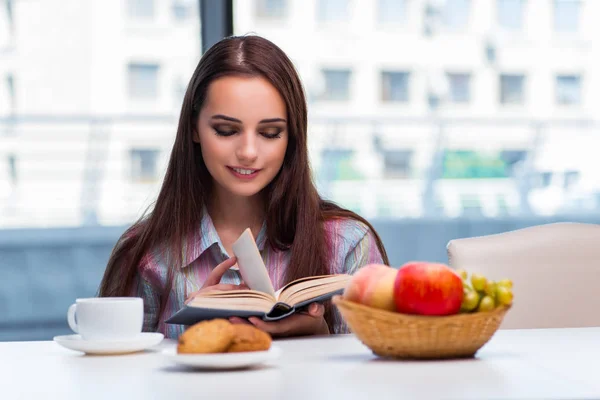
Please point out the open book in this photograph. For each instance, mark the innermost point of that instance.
(260, 300)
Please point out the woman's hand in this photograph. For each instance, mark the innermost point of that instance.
(212, 282)
(300, 324)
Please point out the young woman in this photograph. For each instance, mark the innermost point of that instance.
(239, 160)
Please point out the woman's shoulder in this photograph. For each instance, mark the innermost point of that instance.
(346, 230)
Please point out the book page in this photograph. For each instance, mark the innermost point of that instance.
(307, 288)
(253, 270)
(237, 293)
(233, 303)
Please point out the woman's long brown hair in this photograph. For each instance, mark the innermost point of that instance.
(294, 210)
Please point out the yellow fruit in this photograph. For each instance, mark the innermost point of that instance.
(470, 300)
(462, 273)
(479, 281)
(504, 295)
(507, 283)
(486, 304)
(490, 289)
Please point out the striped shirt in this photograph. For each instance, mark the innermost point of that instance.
(353, 246)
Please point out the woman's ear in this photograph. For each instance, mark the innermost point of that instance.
(196, 136)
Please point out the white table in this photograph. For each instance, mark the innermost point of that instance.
(523, 364)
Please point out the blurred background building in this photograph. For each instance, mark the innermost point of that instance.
(435, 119)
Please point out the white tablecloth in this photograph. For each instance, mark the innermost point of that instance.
(519, 364)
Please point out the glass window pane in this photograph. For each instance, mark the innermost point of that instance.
(333, 10)
(512, 89)
(183, 9)
(510, 14)
(337, 84)
(566, 15)
(275, 9)
(456, 14)
(568, 89)
(140, 8)
(143, 81)
(394, 86)
(391, 11)
(144, 166)
(460, 87)
(12, 168)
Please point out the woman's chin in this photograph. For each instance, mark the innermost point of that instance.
(244, 191)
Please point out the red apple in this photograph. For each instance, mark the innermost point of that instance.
(428, 289)
(373, 286)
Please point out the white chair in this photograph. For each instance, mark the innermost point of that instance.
(555, 269)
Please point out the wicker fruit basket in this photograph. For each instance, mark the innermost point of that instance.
(396, 335)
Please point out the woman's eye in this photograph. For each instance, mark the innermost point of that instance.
(222, 132)
(272, 134)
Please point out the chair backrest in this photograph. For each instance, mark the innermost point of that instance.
(555, 270)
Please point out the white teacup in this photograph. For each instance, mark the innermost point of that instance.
(106, 318)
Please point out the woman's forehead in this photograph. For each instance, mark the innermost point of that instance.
(245, 98)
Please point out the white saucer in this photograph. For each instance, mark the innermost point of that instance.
(119, 346)
(223, 360)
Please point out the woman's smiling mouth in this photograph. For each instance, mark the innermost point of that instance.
(243, 173)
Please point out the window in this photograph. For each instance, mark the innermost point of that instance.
(143, 9)
(571, 178)
(512, 159)
(510, 14)
(568, 89)
(180, 87)
(338, 164)
(10, 88)
(456, 14)
(397, 163)
(512, 89)
(566, 15)
(183, 9)
(394, 86)
(9, 15)
(333, 10)
(271, 9)
(391, 11)
(337, 84)
(460, 88)
(144, 165)
(143, 81)
(12, 168)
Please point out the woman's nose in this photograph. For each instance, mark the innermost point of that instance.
(247, 148)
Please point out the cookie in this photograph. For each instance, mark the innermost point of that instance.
(249, 338)
(213, 336)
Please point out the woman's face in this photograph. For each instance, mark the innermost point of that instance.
(242, 130)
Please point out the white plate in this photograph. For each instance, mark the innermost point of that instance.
(119, 346)
(223, 360)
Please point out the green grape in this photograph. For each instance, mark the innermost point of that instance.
(486, 304)
(490, 289)
(462, 273)
(479, 281)
(507, 283)
(470, 301)
(504, 295)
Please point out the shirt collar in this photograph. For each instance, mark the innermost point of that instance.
(207, 236)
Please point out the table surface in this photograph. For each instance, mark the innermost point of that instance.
(515, 364)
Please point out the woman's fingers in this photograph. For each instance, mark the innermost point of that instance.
(238, 320)
(215, 276)
(316, 310)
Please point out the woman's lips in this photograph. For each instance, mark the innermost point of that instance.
(244, 173)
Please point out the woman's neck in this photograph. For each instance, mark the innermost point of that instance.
(236, 213)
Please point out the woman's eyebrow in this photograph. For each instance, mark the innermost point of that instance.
(231, 119)
(226, 118)
(266, 121)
